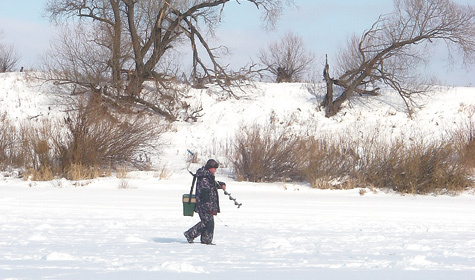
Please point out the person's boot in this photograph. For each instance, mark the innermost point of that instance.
(188, 238)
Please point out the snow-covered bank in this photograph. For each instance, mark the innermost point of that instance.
(98, 231)
(441, 111)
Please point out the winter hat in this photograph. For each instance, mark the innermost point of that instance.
(211, 164)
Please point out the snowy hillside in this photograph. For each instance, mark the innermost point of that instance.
(132, 228)
(441, 111)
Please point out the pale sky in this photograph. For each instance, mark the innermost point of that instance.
(324, 25)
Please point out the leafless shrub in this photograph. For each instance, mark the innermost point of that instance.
(22, 145)
(44, 173)
(88, 143)
(403, 166)
(8, 140)
(264, 154)
(95, 138)
(464, 139)
(8, 56)
(341, 162)
(418, 168)
(34, 151)
(469, 153)
(287, 60)
(327, 162)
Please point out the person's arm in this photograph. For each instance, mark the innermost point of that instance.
(221, 185)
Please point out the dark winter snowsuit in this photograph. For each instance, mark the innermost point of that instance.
(207, 205)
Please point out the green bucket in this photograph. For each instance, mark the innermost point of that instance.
(189, 205)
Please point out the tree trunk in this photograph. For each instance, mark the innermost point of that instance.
(116, 45)
(135, 84)
(334, 106)
(326, 76)
(328, 100)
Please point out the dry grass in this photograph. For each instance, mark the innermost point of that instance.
(264, 154)
(44, 173)
(341, 162)
(122, 172)
(91, 142)
(464, 140)
(164, 173)
(88, 143)
(78, 172)
(8, 140)
(98, 140)
(327, 162)
(124, 184)
(418, 169)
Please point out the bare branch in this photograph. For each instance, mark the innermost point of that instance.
(8, 57)
(288, 60)
(122, 43)
(390, 51)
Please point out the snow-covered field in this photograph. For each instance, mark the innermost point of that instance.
(97, 230)
(54, 230)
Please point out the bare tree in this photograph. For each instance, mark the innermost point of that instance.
(130, 41)
(74, 59)
(392, 49)
(8, 57)
(288, 60)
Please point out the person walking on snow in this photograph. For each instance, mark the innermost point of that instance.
(207, 203)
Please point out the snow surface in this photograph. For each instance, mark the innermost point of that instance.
(95, 229)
